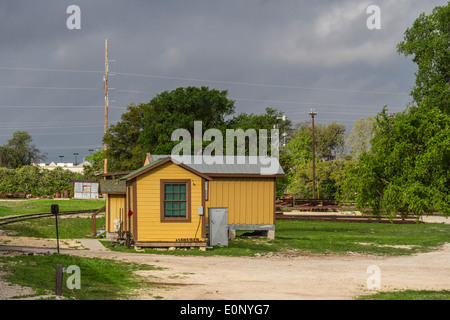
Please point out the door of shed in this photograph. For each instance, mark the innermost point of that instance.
(218, 226)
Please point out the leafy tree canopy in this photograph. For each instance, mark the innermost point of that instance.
(329, 142)
(360, 137)
(148, 127)
(408, 167)
(20, 151)
(180, 108)
(428, 41)
(124, 152)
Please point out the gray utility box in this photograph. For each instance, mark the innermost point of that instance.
(218, 227)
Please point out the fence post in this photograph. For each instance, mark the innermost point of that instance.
(93, 225)
(59, 279)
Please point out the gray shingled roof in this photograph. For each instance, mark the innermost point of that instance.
(112, 186)
(229, 165)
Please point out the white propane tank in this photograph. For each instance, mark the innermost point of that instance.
(117, 225)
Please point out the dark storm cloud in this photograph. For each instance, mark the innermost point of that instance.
(301, 48)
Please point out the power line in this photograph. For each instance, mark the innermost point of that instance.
(307, 103)
(63, 107)
(48, 88)
(45, 126)
(327, 112)
(276, 101)
(19, 126)
(57, 133)
(50, 127)
(67, 147)
(51, 122)
(256, 84)
(50, 70)
(207, 80)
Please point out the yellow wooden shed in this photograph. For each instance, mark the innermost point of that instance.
(164, 200)
(114, 192)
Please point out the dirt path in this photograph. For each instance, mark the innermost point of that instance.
(300, 277)
(305, 277)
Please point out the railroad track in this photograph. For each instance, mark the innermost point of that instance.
(23, 217)
(346, 218)
(313, 208)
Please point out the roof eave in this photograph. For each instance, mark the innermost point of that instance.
(246, 175)
(160, 163)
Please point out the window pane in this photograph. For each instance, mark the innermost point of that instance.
(175, 203)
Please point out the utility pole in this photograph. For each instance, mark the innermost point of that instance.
(312, 113)
(105, 80)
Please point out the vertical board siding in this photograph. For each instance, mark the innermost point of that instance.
(249, 200)
(115, 206)
(149, 225)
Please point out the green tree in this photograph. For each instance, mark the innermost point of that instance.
(36, 181)
(124, 151)
(329, 142)
(180, 108)
(269, 120)
(96, 166)
(408, 167)
(331, 180)
(359, 138)
(148, 127)
(20, 151)
(272, 119)
(428, 41)
(299, 146)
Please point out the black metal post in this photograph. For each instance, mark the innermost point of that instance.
(55, 211)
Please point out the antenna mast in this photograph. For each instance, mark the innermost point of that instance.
(105, 80)
(312, 113)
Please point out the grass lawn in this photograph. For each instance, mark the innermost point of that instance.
(100, 279)
(68, 227)
(296, 237)
(104, 279)
(367, 238)
(26, 206)
(107, 279)
(409, 295)
(291, 237)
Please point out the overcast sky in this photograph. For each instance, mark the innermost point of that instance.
(289, 55)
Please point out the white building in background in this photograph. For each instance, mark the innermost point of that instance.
(85, 189)
(64, 165)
